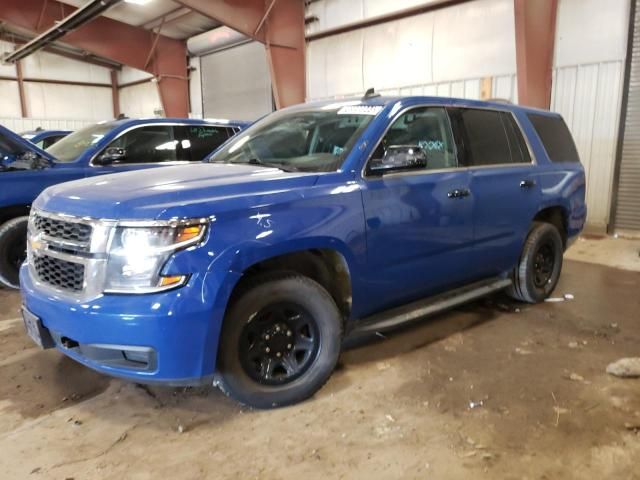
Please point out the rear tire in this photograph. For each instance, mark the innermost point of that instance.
(13, 250)
(538, 270)
(280, 342)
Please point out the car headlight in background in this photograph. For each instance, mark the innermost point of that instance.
(138, 254)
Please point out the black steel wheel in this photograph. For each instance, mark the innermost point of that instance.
(13, 250)
(280, 341)
(538, 270)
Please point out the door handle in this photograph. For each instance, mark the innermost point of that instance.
(459, 193)
(527, 183)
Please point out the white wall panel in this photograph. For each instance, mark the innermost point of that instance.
(9, 99)
(458, 44)
(337, 13)
(591, 31)
(475, 39)
(46, 100)
(128, 74)
(54, 67)
(23, 124)
(590, 50)
(6, 70)
(140, 100)
(589, 98)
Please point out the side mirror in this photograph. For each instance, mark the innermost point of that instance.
(399, 157)
(111, 155)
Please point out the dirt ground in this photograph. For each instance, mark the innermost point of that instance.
(493, 390)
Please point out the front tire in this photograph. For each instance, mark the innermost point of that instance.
(280, 342)
(13, 250)
(538, 271)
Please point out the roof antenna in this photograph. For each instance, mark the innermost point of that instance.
(370, 93)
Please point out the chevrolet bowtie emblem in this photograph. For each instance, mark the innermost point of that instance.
(36, 244)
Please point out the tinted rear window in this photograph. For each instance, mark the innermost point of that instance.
(490, 137)
(555, 137)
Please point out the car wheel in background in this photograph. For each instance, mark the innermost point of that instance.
(13, 250)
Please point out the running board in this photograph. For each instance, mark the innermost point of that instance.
(406, 313)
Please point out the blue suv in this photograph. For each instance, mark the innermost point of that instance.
(317, 221)
(106, 147)
(44, 138)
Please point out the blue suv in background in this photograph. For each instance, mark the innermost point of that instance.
(105, 147)
(318, 220)
(44, 138)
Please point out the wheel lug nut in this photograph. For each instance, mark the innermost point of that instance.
(267, 349)
(266, 337)
(277, 329)
(278, 354)
(289, 333)
(289, 346)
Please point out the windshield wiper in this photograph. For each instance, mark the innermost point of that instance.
(279, 166)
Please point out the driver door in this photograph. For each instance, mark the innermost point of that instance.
(419, 223)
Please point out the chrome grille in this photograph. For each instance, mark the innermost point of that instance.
(60, 229)
(59, 273)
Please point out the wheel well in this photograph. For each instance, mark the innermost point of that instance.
(14, 211)
(325, 266)
(556, 216)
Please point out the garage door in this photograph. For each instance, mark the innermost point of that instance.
(236, 83)
(627, 215)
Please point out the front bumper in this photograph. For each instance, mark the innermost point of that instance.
(168, 338)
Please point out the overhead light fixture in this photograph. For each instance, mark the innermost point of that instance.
(137, 2)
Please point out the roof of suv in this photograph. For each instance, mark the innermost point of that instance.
(380, 100)
(187, 121)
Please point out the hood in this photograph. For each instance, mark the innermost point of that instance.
(188, 191)
(13, 146)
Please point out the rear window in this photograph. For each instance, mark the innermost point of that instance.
(555, 137)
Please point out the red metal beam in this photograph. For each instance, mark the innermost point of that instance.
(116, 41)
(115, 94)
(279, 25)
(535, 36)
(23, 97)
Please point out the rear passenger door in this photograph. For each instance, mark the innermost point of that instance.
(504, 185)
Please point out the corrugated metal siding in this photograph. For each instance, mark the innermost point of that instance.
(589, 97)
(627, 216)
(24, 124)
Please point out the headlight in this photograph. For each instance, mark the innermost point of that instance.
(138, 254)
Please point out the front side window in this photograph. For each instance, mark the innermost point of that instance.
(419, 139)
(195, 142)
(72, 146)
(311, 140)
(489, 137)
(150, 144)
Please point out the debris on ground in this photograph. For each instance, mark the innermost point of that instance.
(383, 365)
(577, 378)
(523, 351)
(573, 345)
(625, 368)
(478, 404)
(632, 427)
(566, 296)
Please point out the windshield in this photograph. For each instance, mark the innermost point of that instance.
(70, 147)
(312, 140)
